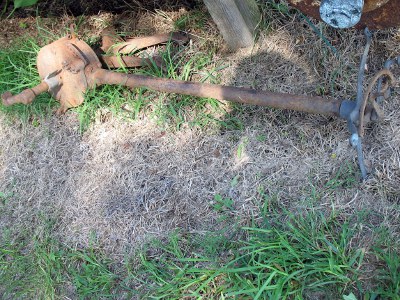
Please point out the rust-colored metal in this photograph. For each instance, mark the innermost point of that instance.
(68, 67)
(26, 96)
(377, 14)
(67, 59)
(135, 44)
(304, 103)
(125, 61)
(113, 49)
(370, 97)
(373, 4)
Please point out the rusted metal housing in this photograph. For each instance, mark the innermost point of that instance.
(377, 14)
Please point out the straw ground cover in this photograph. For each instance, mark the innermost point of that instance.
(149, 195)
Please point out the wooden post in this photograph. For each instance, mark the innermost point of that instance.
(236, 20)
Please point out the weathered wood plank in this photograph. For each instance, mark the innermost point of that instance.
(236, 20)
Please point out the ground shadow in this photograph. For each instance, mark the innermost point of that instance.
(58, 8)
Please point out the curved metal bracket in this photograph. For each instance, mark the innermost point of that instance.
(356, 112)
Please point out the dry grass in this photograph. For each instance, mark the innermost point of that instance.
(121, 183)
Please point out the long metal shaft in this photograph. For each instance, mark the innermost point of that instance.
(308, 104)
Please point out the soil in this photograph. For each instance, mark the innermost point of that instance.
(122, 183)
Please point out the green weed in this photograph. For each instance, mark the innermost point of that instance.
(222, 204)
(16, 4)
(18, 72)
(28, 269)
(305, 254)
(287, 256)
(242, 147)
(91, 274)
(43, 269)
(176, 272)
(4, 197)
(388, 274)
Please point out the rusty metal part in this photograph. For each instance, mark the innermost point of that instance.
(380, 86)
(377, 14)
(26, 97)
(135, 44)
(113, 48)
(373, 4)
(308, 104)
(67, 58)
(109, 38)
(370, 97)
(125, 61)
(75, 67)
